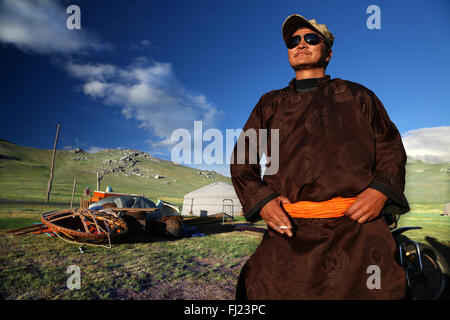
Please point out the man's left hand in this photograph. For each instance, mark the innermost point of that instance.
(367, 206)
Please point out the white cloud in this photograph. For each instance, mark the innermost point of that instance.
(147, 92)
(39, 26)
(91, 72)
(143, 45)
(428, 144)
(95, 88)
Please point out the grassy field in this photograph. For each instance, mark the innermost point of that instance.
(34, 266)
(25, 172)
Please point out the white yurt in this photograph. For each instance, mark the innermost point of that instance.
(218, 197)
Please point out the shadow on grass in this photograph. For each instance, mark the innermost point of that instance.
(156, 231)
(214, 224)
(214, 228)
(440, 247)
(8, 157)
(207, 226)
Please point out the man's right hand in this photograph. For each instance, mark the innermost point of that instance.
(275, 216)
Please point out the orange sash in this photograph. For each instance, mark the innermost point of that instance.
(332, 208)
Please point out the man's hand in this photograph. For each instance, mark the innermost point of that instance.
(367, 206)
(275, 216)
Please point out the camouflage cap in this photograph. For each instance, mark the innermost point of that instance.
(294, 21)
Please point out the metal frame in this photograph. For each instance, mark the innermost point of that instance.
(408, 266)
(223, 210)
(412, 268)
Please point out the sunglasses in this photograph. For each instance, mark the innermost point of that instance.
(310, 38)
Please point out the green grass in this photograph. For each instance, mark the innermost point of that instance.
(427, 183)
(34, 266)
(433, 225)
(25, 172)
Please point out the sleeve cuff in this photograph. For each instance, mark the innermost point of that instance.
(395, 204)
(253, 214)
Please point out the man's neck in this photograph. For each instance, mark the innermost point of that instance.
(310, 73)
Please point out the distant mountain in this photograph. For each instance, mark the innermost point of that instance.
(26, 171)
(427, 182)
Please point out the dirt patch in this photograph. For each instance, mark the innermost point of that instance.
(230, 269)
(185, 289)
(180, 290)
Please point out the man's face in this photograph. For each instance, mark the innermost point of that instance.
(305, 56)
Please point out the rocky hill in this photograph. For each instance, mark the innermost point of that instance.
(127, 171)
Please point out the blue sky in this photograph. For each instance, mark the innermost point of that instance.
(138, 70)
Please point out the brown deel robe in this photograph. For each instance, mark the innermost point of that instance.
(335, 140)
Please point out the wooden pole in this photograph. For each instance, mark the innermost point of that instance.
(99, 177)
(73, 192)
(53, 166)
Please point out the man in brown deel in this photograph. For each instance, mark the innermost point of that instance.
(341, 167)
